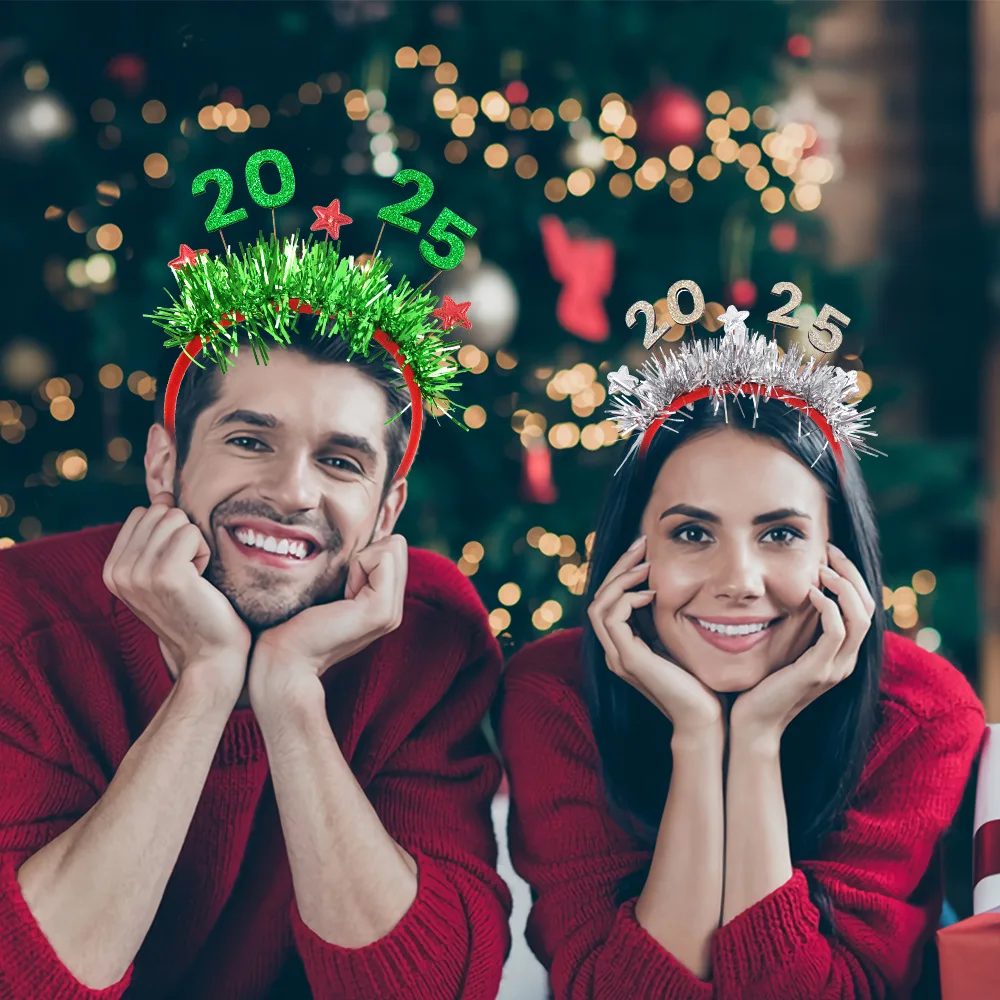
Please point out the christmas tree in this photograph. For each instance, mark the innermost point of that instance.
(604, 151)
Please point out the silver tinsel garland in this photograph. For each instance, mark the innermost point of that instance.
(739, 357)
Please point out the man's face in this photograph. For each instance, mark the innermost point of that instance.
(284, 478)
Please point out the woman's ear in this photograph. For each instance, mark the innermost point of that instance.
(160, 461)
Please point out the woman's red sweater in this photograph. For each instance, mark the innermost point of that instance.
(885, 892)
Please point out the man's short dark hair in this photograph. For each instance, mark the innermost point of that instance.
(200, 388)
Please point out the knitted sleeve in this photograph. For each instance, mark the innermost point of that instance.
(41, 794)
(876, 871)
(433, 796)
(564, 844)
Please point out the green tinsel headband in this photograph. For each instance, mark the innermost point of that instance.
(265, 287)
(262, 286)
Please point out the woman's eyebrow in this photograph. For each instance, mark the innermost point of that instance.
(779, 515)
(688, 511)
(706, 515)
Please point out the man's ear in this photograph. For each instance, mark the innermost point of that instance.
(392, 507)
(160, 461)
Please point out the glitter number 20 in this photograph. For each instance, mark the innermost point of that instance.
(219, 217)
(398, 215)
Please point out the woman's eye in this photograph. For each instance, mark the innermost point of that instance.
(788, 535)
(690, 533)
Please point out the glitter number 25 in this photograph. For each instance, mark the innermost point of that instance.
(823, 323)
(398, 215)
(219, 217)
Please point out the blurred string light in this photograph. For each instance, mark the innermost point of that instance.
(902, 603)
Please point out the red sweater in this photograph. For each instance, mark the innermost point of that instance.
(80, 679)
(565, 844)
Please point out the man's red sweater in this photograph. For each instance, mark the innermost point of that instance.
(81, 678)
(566, 845)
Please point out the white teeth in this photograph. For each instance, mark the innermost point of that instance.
(284, 547)
(733, 629)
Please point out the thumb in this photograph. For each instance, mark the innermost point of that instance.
(164, 497)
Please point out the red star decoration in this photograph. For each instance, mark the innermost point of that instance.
(330, 218)
(186, 257)
(452, 313)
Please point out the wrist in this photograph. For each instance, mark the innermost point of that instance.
(754, 739)
(205, 686)
(709, 738)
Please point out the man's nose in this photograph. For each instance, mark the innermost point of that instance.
(290, 482)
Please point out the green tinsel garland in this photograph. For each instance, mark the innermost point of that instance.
(348, 299)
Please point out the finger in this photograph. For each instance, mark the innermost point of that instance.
(164, 499)
(187, 545)
(846, 568)
(611, 656)
(140, 537)
(855, 617)
(834, 631)
(613, 589)
(616, 621)
(629, 558)
(121, 542)
(172, 520)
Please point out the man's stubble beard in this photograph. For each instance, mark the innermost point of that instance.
(258, 614)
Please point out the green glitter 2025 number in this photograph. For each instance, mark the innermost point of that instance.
(284, 194)
(397, 215)
(219, 217)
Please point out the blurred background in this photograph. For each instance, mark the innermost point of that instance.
(604, 150)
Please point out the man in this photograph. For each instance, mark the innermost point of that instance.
(239, 734)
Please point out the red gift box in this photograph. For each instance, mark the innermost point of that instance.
(969, 955)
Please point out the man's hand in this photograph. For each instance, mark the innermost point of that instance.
(312, 641)
(155, 567)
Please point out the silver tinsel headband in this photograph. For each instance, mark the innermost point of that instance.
(740, 364)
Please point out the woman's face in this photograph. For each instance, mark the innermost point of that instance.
(736, 532)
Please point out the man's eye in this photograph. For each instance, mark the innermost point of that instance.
(242, 437)
(345, 465)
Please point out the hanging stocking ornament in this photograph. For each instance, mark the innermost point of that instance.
(586, 269)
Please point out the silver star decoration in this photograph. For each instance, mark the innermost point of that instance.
(733, 318)
(622, 380)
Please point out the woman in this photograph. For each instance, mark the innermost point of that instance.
(729, 783)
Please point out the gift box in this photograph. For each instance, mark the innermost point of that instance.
(969, 951)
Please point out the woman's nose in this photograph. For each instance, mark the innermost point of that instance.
(739, 572)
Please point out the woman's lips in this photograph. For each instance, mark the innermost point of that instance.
(265, 557)
(733, 643)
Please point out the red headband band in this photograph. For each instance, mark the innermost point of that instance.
(747, 387)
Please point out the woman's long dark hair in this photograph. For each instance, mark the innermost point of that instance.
(823, 750)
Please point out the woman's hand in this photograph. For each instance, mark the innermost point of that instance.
(763, 712)
(678, 694)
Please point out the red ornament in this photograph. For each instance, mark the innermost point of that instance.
(586, 269)
(516, 92)
(186, 257)
(330, 218)
(784, 236)
(452, 313)
(799, 47)
(536, 474)
(670, 116)
(128, 70)
(743, 293)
